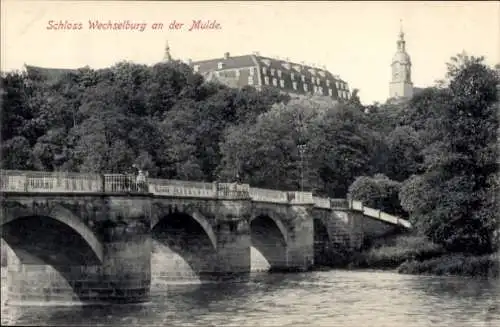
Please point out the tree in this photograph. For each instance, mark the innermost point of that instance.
(403, 153)
(377, 192)
(451, 202)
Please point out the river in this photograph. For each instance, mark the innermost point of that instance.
(322, 298)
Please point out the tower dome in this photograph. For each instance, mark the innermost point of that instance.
(401, 55)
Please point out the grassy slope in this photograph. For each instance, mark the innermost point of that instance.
(416, 255)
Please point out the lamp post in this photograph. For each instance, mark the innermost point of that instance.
(301, 146)
(302, 149)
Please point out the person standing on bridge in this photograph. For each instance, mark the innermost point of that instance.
(141, 181)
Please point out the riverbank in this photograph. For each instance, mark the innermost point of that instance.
(415, 255)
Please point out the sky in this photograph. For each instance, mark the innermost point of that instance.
(355, 40)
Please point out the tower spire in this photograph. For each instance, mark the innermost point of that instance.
(401, 42)
(167, 56)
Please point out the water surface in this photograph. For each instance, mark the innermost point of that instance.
(328, 298)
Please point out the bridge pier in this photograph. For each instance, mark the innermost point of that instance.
(299, 252)
(126, 268)
(233, 252)
(233, 241)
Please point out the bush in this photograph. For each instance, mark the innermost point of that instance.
(455, 264)
(391, 253)
(378, 192)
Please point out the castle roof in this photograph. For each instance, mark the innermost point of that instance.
(250, 60)
(51, 74)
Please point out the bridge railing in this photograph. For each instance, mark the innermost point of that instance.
(300, 197)
(266, 195)
(37, 181)
(339, 203)
(321, 202)
(233, 191)
(168, 187)
(370, 212)
(378, 214)
(356, 205)
(119, 183)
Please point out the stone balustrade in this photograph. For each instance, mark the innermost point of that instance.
(176, 188)
(356, 205)
(265, 195)
(35, 181)
(322, 202)
(300, 198)
(233, 191)
(371, 212)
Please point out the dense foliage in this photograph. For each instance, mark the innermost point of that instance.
(453, 201)
(164, 118)
(378, 192)
(439, 148)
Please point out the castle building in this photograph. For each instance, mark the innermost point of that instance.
(259, 71)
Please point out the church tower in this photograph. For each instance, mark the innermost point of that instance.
(167, 57)
(401, 86)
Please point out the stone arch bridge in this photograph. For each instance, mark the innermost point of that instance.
(96, 230)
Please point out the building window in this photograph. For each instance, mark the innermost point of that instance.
(237, 73)
(279, 73)
(303, 78)
(250, 80)
(292, 75)
(305, 87)
(266, 80)
(330, 92)
(320, 89)
(264, 70)
(282, 83)
(294, 84)
(272, 71)
(220, 65)
(275, 82)
(337, 85)
(328, 82)
(251, 71)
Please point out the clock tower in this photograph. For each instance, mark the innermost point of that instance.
(401, 86)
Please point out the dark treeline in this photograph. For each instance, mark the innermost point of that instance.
(432, 159)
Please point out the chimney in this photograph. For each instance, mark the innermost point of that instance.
(226, 55)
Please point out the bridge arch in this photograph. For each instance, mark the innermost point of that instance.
(279, 224)
(270, 236)
(192, 213)
(16, 212)
(187, 233)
